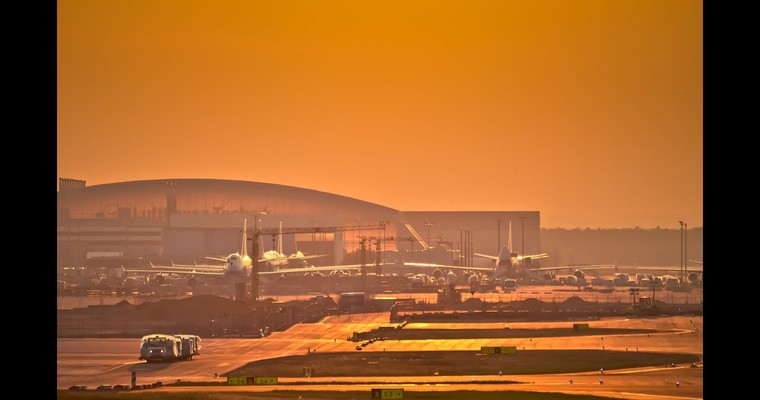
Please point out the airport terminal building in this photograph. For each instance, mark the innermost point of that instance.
(185, 220)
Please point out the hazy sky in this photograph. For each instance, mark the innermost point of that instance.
(589, 111)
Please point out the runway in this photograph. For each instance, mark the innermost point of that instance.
(94, 362)
(646, 384)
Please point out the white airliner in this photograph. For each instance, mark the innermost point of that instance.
(277, 259)
(513, 263)
(235, 266)
(694, 272)
(576, 270)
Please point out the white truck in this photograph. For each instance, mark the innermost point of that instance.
(191, 346)
(159, 347)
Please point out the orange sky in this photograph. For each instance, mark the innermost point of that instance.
(589, 111)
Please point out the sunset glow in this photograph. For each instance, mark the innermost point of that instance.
(589, 111)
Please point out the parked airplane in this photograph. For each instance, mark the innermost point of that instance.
(513, 263)
(694, 272)
(235, 266)
(277, 259)
(578, 270)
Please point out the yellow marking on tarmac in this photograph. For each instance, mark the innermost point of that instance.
(613, 372)
(659, 395)
(122, 365)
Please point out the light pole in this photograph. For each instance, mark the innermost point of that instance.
(522, 233)
(384, 223)
(634, 292)
(680, 260)
(685, 253)
(522, 241)
(429, 224)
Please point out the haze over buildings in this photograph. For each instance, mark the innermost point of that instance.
(587, 111)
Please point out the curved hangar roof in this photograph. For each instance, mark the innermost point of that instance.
(154, 198)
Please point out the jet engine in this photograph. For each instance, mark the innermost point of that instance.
(474, 281)
(694, 277)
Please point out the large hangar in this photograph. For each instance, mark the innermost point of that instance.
(184, 220)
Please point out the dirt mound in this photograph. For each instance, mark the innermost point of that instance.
(575, 302)
(196, 307)
(472, 304)
(530, 304)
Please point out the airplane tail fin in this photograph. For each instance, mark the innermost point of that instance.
(504, 257)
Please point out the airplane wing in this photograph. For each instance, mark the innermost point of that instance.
(443, 266)
(175, 271)
(303, 257)
(313, 269)
(495, 258)
(184, 267)
(665, 269)
(525, 257)
(357, 267)
(273, 259)
(532, 256)
(575, 267)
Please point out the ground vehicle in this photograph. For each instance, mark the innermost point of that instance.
(351, 301)
(191, 346)
(160, 347)
(509, 285)
(671, 282)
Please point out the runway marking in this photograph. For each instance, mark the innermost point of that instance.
(644, 369)
(122, 365)
(660, 395)
(222, 364)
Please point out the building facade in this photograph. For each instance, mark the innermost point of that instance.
(185, 220)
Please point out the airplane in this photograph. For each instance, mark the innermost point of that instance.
(234, 267)
(514, 263)
(237, 271)
(276, 258)
(526, 266)
(505, 264)
(694, 272)
(579, 271)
